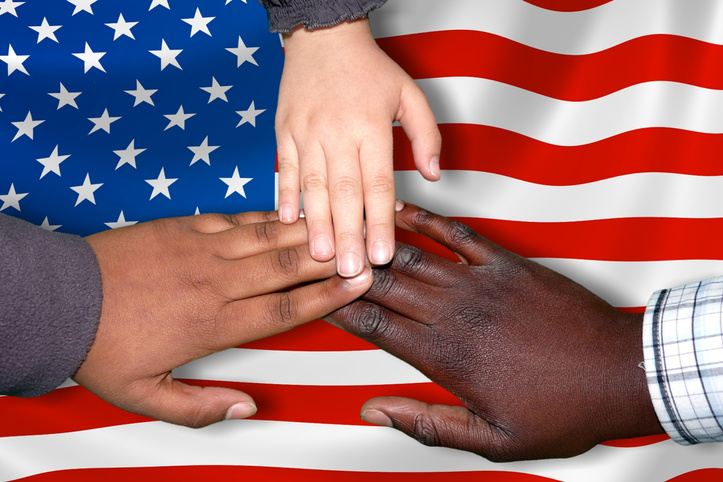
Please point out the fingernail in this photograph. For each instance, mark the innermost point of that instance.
(350, 265)
(361, 279)
(399, 205)
(240, 410)
(381, 253)
(321, 246)
(434, 167)
(286, 214)
(376, 417)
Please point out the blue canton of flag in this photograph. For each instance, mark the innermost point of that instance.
(115, 112)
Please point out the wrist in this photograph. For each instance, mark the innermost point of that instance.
(625, 390)
(342, 34)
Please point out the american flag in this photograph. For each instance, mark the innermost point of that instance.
(582, 134)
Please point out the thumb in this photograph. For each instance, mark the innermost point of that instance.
(417, 119)
(437, 425)
(194, 406)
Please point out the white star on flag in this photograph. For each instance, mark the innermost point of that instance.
(26, 127)
(121, 223)
(83, 6)
(128, 155)
(121, 27)
(102, 122)
(91, 59)
(199, 23)
(49, 227)
(156, 3)
(52, 163)
(178, 119)
(8, 6)
(14, 61)
(1, 96)
(249, 115)
(86, 191)
(243, 53)
(202, 152)
(216, 90)
(142, 95)
(167, 56)
(160, 185)
(11, 199)
(64, 97)
(45, 30)
(235, 183)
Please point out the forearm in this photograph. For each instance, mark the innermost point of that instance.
(683, 343)
(284, 15)
(50, 306)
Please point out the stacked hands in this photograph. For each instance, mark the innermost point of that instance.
(544, 367)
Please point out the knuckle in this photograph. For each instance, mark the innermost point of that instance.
(382, 284)
(269, 216)
(369, 321)
(422, 218)
(287, 262)
(424, 429)
(408, 258)
(314, 182)
(266, 233)
(461, 235)
(230, 220)
(346, 187)
(289, 191)
(380, 185)
(285, 309)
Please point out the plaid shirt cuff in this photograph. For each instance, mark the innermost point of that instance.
(683, 345)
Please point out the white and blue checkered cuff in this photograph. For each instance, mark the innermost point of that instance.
(683, 345)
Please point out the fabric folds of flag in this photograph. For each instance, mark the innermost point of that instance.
(584, 135)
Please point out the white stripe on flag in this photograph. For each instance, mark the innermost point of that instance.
(572, 33)
(470, 100)
(319, 446)
(487, 195)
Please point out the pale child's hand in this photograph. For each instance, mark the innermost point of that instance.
(339, 96)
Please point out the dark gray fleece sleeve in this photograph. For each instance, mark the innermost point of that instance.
(50, 305)
(284, 15)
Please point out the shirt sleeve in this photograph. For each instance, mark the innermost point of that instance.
(683, 344)
(284, 15)
(50, 306)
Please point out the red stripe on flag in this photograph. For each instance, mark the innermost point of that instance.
(468, 53)
(567, 5)
(637, 442)
(701, 475)
(604, 239)
(495, 150)
(216, 472)
(314, 336)
(74, 408)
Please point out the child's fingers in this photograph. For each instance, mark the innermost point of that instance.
(419, 124)
(347, 206)
(315, 193)
(288, 162)
(379, 198)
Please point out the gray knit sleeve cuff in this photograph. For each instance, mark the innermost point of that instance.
(284, 15)
(50, 306)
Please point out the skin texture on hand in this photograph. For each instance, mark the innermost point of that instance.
(545, 368)
(339, 96)
(178, 289)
